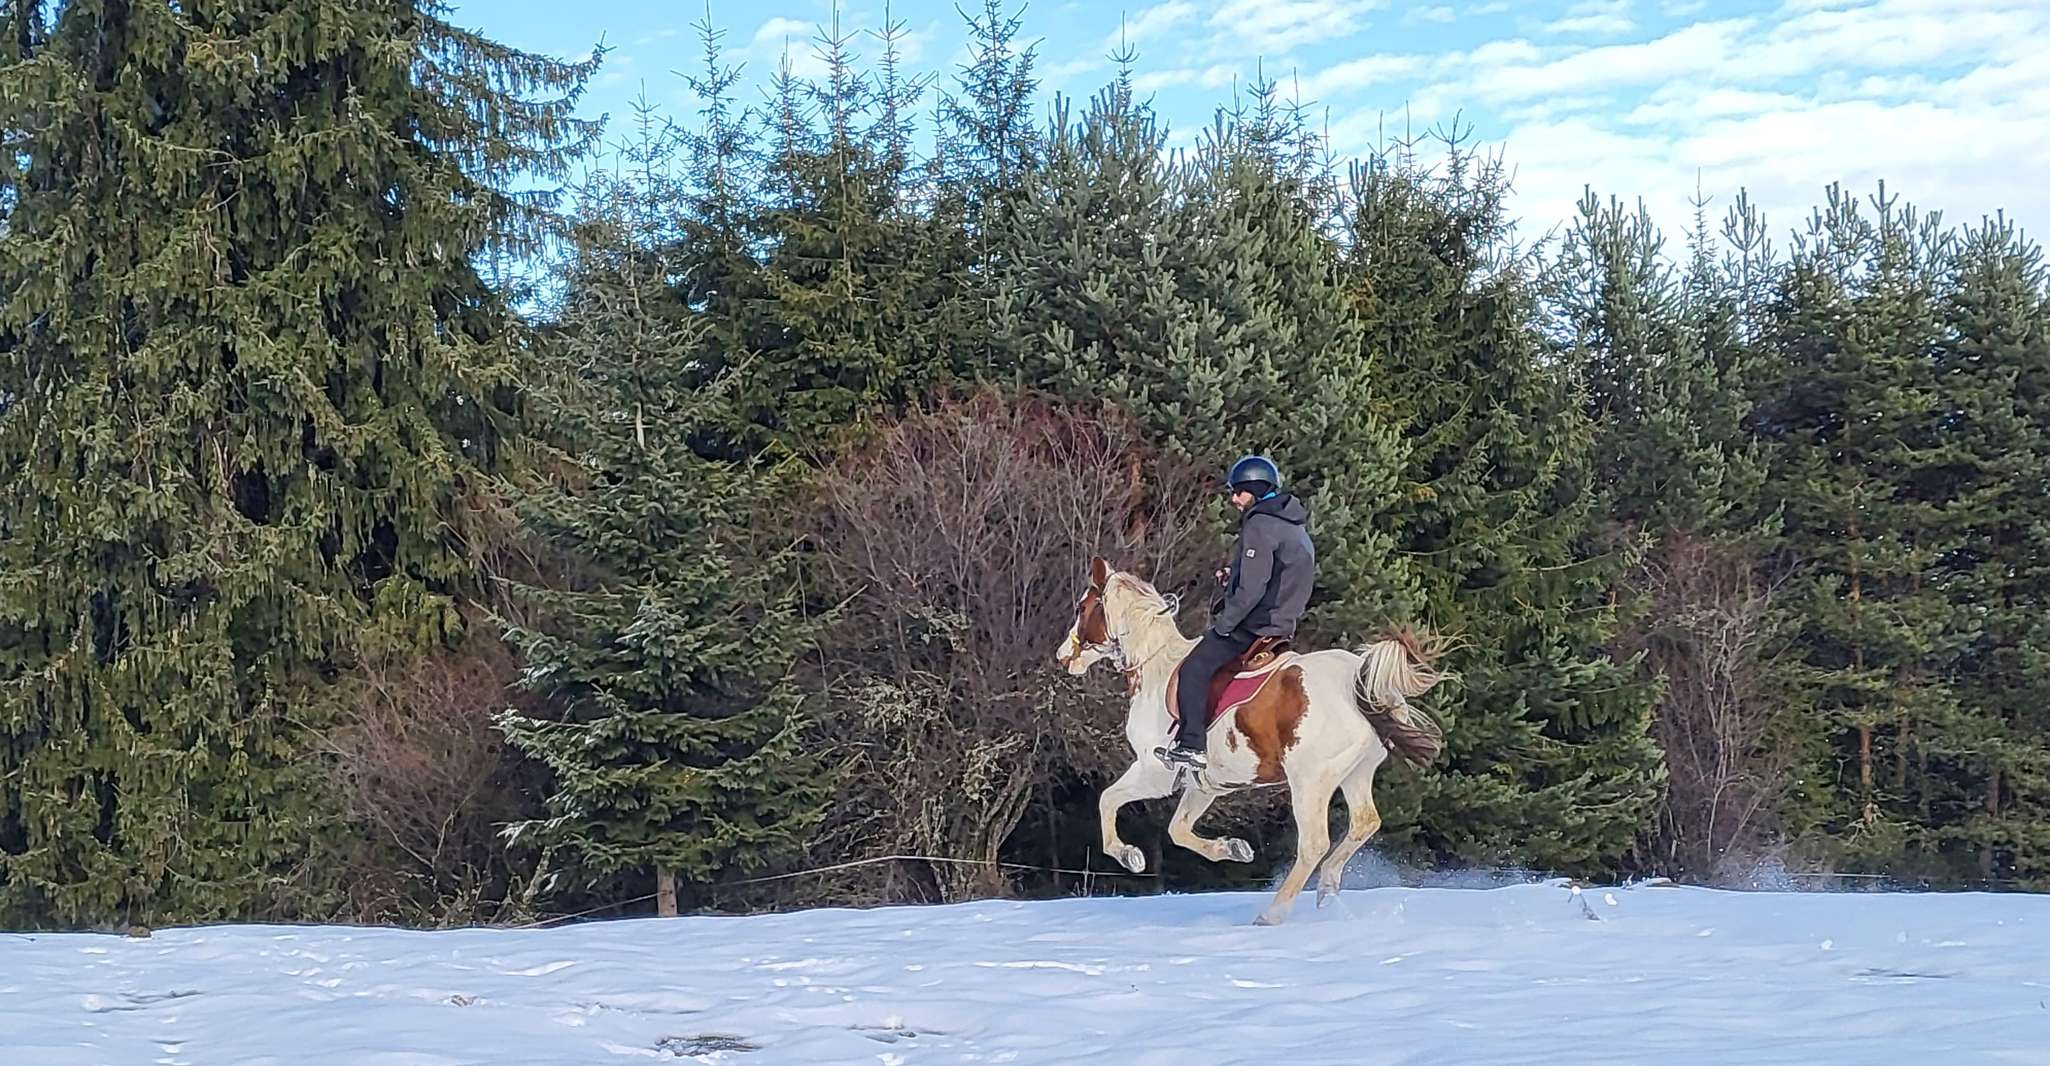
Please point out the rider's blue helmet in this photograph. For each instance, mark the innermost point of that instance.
(1256, 472)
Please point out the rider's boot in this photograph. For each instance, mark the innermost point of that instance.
(1180, 754)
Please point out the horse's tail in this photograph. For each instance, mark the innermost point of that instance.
(1392, 669)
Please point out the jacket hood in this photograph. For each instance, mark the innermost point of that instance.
(1283, 506)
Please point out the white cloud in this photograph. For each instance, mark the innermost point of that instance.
(647, 39)
(1360, 73)
(1591, 25)
(1680, 102)
(1160, 20)
(1973, 147)
(1594, 18)
(1065, 73)
(1941, 98)
(1213, 76)
(1265, 27)
(1498, 52)
(1551, 108)
(618, 68)
(779, 30)
(1241, 30)
(1439, 13)
(786, 40)
(1705, 46)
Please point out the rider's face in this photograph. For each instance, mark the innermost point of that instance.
(1241, 499)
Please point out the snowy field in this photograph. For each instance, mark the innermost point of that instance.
(1445, 977)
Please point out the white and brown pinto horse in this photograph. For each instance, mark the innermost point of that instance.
(1321, 722)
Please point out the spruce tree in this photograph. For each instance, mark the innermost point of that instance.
(838, 273)
(1660, 362)
(1665, 422)
(675, 751)
(1277, 363)
(256, 378)
(1852, 417)
(987, 148)
(716, 231)
(1549, 759)
(1986, 782)
(1201, 298)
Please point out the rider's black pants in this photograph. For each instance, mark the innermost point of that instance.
(1208, 657)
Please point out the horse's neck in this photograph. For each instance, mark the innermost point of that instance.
(1156, 647)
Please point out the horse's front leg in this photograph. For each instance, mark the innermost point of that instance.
(1145, 779)
(1182, 830)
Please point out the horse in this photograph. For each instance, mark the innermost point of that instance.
(1322, 721)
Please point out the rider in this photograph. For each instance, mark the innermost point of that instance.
(1272, 568)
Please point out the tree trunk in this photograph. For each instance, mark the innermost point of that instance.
(1868, 811)
(1900, 755)
(1992, 811)
(1865, 759)
(665, 892)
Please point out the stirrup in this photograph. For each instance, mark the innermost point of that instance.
(1180, 757)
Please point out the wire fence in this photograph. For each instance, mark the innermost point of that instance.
(838, 866)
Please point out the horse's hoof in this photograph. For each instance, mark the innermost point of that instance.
(1131, 858)
(1267, 918)
(1325, 894)
(1236, 850)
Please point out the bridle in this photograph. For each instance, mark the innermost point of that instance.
(1112, 647)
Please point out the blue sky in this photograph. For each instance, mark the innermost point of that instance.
(1948, 100)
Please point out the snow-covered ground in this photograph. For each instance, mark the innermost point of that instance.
(1438, 976)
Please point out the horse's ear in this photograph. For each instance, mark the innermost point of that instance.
(1099, 573)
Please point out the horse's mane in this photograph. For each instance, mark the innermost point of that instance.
(1141, 602)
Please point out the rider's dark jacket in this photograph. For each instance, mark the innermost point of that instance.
(1273, 566)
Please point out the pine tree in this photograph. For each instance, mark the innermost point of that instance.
(838, 277)
(716, 232)
(1278, 364)
(1665, 422)
(1678, 477)
(989, 141)
(1550, 762)
(1987, 786)
(987, 148)
(1201, 299)
(1852, 417)
(676, 752)
(258, 377)
(1087, 288)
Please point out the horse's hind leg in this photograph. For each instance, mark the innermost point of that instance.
(1363, 820)
(1145, 779)
(1311, 801)
(1182, 830)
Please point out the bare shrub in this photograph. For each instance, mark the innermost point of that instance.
(958, 540)
(427, 779)
(1731, 767)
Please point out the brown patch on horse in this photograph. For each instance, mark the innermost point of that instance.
(1269, 722)
(1090, 623)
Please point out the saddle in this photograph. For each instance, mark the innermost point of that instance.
(1240, 680)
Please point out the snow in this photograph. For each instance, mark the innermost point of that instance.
(1529, 973)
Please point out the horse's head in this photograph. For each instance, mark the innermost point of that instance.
(1088, 639)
